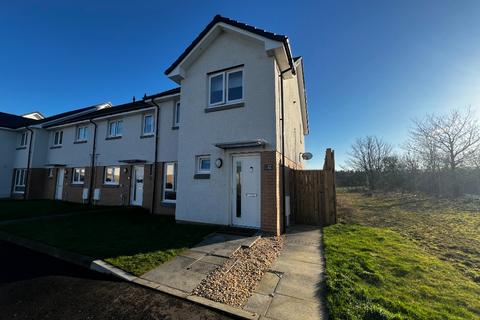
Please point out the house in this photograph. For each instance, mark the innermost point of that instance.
(211, 150)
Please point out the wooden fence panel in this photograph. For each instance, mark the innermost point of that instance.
(312, 194)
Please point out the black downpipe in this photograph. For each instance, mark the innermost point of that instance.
(92, 164)
(27, 174)
(282, 104)
(157, 122)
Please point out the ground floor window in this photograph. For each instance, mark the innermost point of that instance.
(112, 175)
(78, 176)
(170, 182)
(19, 180)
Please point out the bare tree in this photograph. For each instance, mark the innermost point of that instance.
(448, 140)
(368, 156)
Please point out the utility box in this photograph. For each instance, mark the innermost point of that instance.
(96, 194)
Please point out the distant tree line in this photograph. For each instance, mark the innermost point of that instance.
(440, 157)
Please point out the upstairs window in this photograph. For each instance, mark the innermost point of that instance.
(112, 175)
(225, 87)
(115, 128)
(235, 85)
(57, 138)
(23, 139)
(81, 134)
(78, 176)
(176, 114)
(217, 93)
(148, 125)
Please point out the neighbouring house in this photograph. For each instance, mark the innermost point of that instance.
(209, 151)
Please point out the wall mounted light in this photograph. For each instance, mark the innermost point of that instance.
(218, 163)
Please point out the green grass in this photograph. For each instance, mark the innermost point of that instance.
(402, 257)
(20, 209)
(128, 238)
(375, 273)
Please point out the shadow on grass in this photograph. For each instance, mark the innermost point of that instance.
(129, 238)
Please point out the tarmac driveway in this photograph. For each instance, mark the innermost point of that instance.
(35, 286)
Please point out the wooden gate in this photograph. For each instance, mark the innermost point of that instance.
(312, 194)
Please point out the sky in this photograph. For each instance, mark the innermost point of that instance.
(370, 66)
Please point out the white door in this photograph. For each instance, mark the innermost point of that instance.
(59, 184)
(136, 194)
(246, 191)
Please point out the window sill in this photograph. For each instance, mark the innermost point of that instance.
(21, 148)
(106, 185)
(225, 107)
(55, 147)
(175, 127)
(80, 141)
(168, 204)
(146, 136)
(201, 176)
(113, 138)
(77, 184)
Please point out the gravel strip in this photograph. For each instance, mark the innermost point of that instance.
(234, 282)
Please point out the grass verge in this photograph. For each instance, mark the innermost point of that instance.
(125, 237)
(375, 273)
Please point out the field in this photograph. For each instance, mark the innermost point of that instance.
(395, 256)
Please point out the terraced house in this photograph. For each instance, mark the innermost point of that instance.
(209, 151)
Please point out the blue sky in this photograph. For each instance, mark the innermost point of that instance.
(370, 66)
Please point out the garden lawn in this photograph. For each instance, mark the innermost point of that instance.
(21, 209)
(376, 273)
(129, 238)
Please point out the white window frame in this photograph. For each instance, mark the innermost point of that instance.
(176, 114)
(20, 176)
(210, 91)
(116, 133)
(226, 85)
(151, 133)
(174, 185)
(81, 171)
(112, 183)
(57, 142)
(23, 139)
(77, 137)
(225, 98)
(199, 164)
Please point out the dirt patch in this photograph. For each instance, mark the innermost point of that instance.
(234, 282)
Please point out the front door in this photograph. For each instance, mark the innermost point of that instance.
(246, 191)
(136, 194)
(59, 184)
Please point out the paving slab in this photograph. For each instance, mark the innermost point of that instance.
(214, 259)
(258, 303)
(286, 307)
(299, 292)
(269, 283)
(202, 267)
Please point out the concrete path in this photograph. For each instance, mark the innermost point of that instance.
(188, 269)
(294, 286)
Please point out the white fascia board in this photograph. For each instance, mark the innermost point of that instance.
(271, 46)
(303, 96)
(94, 108)
(164, 98)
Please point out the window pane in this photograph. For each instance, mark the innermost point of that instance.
(116, 174)
(235, 88)
(177, 113)
(169, 176)
(119, 127)
(205, 164)
(55, 138)
(61, 138)
(109, 175)
(148, 124)
(216, 89)
(76, 176)
(111, 129)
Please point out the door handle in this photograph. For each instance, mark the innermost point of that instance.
(251, 195)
